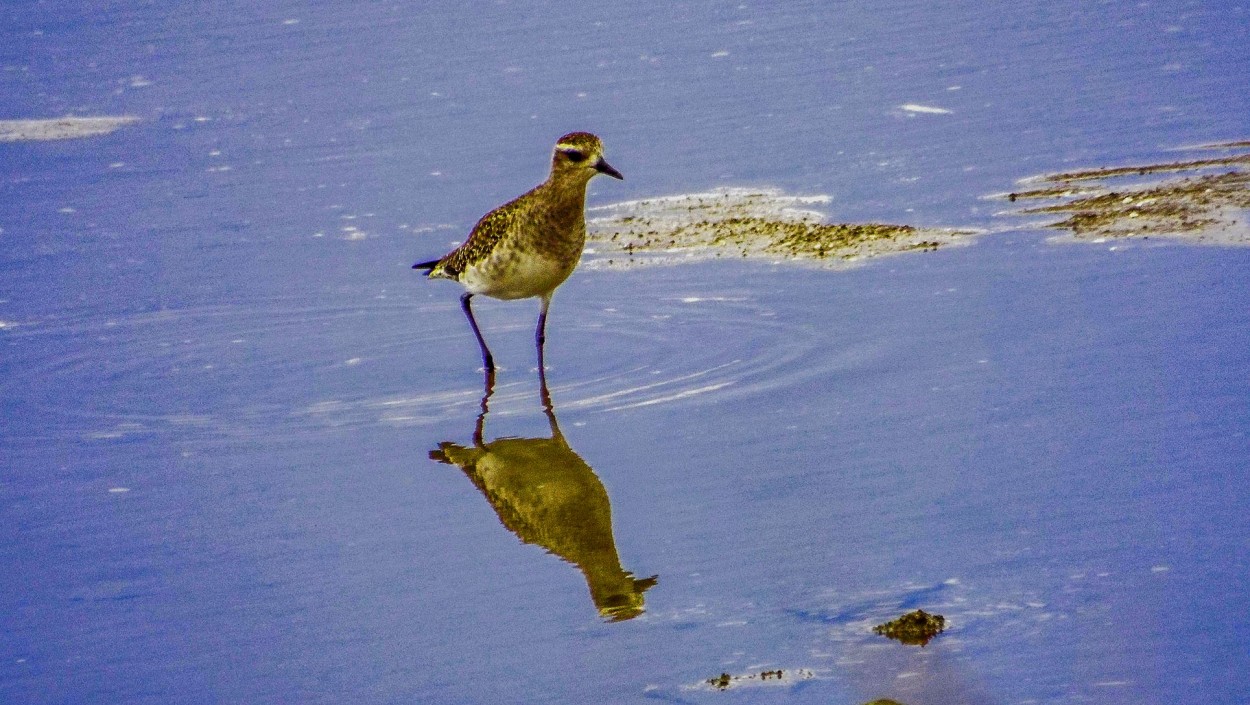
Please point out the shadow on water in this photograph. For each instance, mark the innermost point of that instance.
(547, 495)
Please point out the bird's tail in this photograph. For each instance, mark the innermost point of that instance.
(427, 266)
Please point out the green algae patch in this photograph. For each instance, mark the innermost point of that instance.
(1204, 201)
(61, 128)
(914, 628)
(745, 223)
(779, 676)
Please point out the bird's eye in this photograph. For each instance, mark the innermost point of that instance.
(574, 155)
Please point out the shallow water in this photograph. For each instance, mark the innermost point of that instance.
(221, 384)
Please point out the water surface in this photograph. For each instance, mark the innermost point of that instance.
(220, 383)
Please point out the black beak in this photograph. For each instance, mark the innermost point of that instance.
(605, 168)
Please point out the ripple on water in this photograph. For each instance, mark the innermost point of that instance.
(672, 351)
(227, 369)
(709, 349)
(277, 370)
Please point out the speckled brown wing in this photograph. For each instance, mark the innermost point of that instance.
(482, 239)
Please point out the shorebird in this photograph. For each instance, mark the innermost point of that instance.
(530, 245)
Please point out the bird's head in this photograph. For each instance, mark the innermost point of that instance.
(580, 155)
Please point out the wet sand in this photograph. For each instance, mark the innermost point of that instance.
(745, 223)
(64, 128)
(1202, 201)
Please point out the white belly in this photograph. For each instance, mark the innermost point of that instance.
(515, 276)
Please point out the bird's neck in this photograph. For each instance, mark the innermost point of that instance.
(568, 193)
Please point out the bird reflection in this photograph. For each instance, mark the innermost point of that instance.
(547, 495)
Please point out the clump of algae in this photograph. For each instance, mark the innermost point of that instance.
(1204, 202)
(725, 680)
(764, 224)
(914, 628)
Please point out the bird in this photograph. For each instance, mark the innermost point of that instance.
(527, 247)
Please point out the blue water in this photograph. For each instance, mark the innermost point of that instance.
(220, 382)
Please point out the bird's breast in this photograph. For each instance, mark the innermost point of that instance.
(516, 274)
(539, 242)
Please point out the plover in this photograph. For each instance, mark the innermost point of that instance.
(530, 245)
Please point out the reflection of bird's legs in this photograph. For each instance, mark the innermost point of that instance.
(545, 395)
(487, 360)
(489, 388)
(548, 409)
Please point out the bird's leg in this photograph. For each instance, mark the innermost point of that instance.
(540, 333)
(540, 338)
(487, 360)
